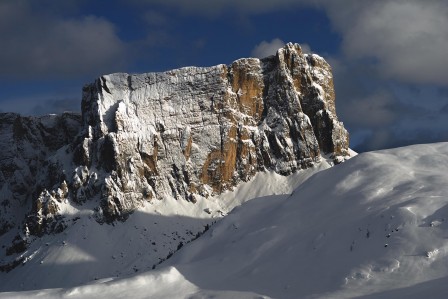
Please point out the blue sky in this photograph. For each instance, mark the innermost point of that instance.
(388, 57)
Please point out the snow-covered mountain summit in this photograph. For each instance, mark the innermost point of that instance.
(175, 140)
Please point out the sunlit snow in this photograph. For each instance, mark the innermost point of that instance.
(375, 226)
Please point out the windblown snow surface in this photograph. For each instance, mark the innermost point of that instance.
(375, 226)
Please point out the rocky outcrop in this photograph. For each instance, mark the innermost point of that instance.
(32, 151)
(188, 133)
(199, 131)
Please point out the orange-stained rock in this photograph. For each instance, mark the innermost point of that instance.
(203, 130)
(186, 133)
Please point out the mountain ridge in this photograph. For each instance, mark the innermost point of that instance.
(188, 134)
(200, 131)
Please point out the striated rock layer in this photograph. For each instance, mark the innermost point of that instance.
(201, 130)
(188, 133)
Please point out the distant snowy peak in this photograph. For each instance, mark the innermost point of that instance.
(198, 131)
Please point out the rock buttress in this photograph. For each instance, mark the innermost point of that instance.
(202, 130)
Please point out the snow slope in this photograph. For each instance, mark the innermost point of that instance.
(375, 226)
(87, 250)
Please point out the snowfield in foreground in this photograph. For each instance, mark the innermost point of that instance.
(374, 227)
(89, 251)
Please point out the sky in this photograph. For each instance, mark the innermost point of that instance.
(388, 56)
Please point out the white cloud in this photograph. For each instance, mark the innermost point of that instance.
(306, 48)
(265, 48)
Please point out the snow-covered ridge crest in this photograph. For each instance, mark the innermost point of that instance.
(198, 131)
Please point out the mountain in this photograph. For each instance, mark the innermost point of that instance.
(196, 132)
(31, 149)
(177, 145)
(373, 227)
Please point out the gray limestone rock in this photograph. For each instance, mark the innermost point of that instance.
(186, 133)
(202, 130)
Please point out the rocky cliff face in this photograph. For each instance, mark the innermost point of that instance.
(30, 170)
(188, 133)
(199, 131)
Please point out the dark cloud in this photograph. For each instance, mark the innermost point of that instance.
(390, 73)
(376, 140)
(383, 113)
(42, 105)
(443, 92)
(392, 70)
(372, 110)
(407, 39)
(413, 125)
(216, 7)
(38, 43)
(56, 106)
(444, 109)
(155, 18)
(392, 121)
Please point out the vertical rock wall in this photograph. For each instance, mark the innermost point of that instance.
(199, 131)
